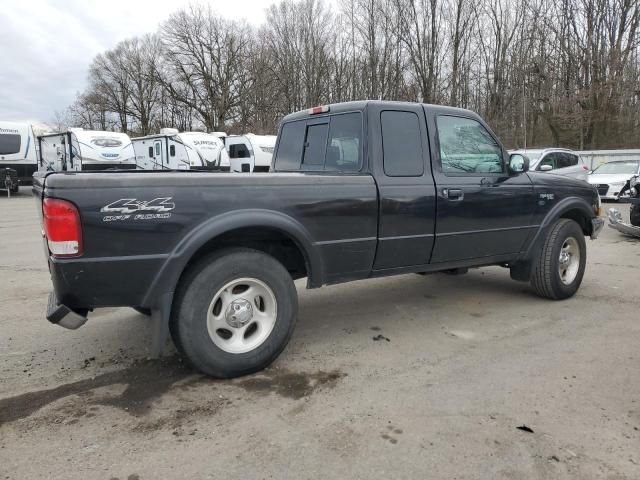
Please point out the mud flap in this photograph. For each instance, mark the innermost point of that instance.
(160, 331)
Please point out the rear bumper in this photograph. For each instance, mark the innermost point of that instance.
(86, 283)
(24, 170)
(60, 314)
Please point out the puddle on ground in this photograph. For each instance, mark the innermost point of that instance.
(290, 384)
(146, 381)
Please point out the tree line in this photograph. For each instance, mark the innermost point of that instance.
(541, 72)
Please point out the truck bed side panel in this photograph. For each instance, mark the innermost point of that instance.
(127, 243)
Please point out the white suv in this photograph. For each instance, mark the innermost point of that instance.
(560, 161)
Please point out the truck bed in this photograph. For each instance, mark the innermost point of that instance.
(335, 215)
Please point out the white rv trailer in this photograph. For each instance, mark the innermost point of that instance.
(171, 150)
(247, 153)
(263, 146)
(18, 149)
(85, 150)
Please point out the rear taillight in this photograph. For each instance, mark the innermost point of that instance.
(62, 227)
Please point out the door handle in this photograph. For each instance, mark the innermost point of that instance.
(454, 194)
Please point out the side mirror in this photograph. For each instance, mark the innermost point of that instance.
(518, 163)
(546, 168)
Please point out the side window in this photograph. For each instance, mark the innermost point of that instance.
(239, 150)
(150, 152)
(568, 160)
(290, 144)
(549, 159)
(344, 145)
(401, 144)
(314, 146)
(172, 150)
(157, 149)
(467, 147)
(335, 145)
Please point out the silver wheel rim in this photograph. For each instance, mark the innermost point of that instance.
(242, 315)
(569, 261)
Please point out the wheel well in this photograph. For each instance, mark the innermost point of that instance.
(580, 218)
(270, 241)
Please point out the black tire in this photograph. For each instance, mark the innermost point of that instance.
(15, 189)
(546, 279)
(194, 296)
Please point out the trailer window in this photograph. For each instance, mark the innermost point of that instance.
(239, 150)
(150, 152)
(9, 144)
(172, 150)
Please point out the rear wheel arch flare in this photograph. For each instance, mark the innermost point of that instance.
(202, 239)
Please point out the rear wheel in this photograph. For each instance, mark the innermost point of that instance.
(559, 270)
(234, 313)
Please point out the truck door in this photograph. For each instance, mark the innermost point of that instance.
(483, 211)
(406, 213)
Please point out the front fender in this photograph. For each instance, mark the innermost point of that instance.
(522, 268)
(169, 274)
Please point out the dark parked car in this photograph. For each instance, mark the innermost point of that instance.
(357, 190)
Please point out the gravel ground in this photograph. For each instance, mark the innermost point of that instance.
(404, 377)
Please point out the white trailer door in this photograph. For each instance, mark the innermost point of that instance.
(158, 155)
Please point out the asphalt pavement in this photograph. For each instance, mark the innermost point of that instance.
(436, 377)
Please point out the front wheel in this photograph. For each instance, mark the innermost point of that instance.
(559, 270)
(234, 313)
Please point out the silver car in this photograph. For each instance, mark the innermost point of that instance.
(610, 177)
(560, 161)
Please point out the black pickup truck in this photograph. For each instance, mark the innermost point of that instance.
(356, 190)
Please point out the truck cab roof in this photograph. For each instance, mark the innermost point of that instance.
(362, 105)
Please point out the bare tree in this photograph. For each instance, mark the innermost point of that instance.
(542, 72)
(205, 63)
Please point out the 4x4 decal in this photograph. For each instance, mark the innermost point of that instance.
(127, 208)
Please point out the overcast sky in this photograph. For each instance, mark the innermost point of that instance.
(46, 46)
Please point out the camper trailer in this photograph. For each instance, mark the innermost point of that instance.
(85, 150)
(247, 153)
(263, 146)
(171, 150)
(18, 150)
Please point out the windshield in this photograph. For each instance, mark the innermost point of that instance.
(618, 167)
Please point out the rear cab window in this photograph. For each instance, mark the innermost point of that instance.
(328, 143)
(401, 144)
